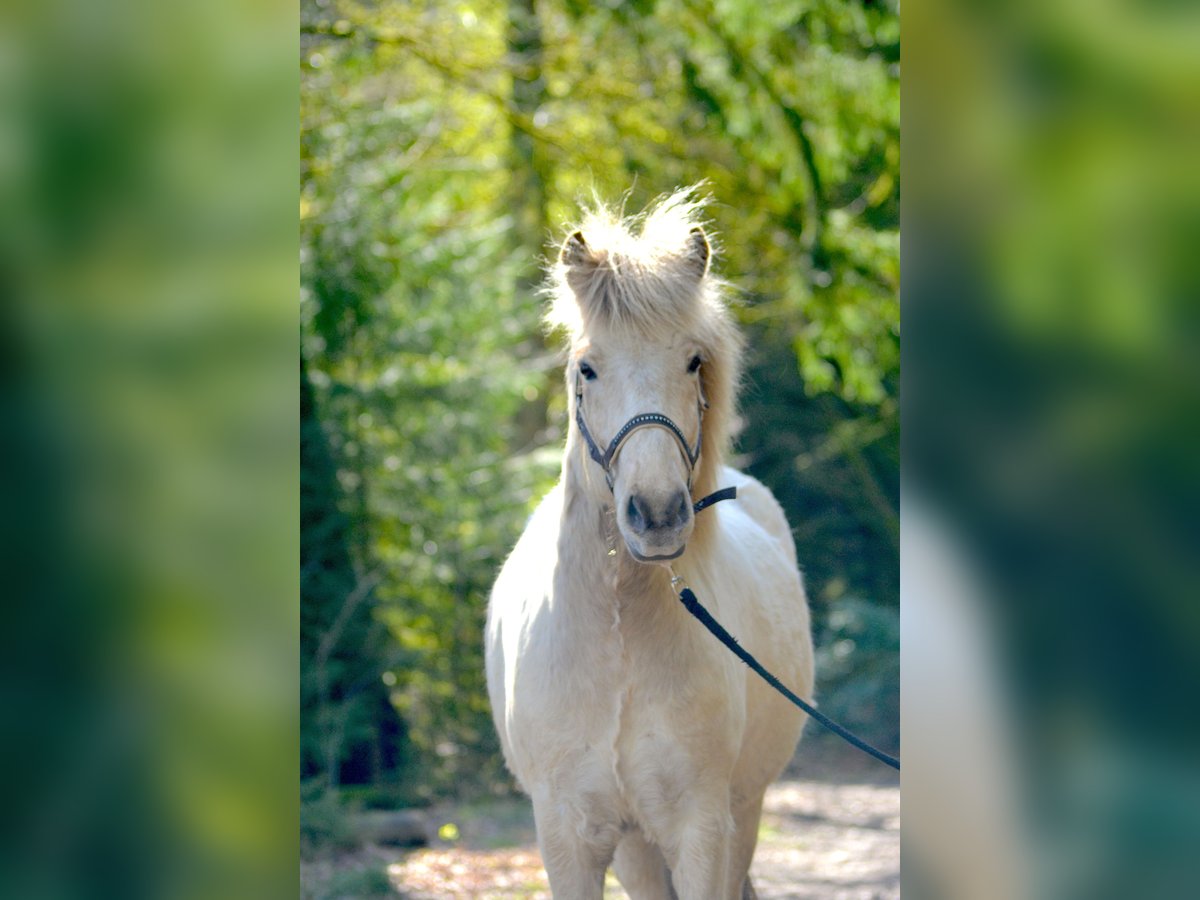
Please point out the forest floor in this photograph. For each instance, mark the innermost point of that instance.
(830, 829)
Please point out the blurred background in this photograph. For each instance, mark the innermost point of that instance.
(444, 148)
(1051, 553)
(148, 464)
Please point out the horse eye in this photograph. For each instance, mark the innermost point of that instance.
(587, 371)
(694, 365)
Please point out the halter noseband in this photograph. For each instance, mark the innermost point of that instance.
(606, 458)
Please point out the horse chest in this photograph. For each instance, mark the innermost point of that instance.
(620, 725)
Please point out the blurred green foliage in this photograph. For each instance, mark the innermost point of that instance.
(1051, 289)
(148, 552)
(443, 147)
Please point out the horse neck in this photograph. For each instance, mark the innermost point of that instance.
(590, 533)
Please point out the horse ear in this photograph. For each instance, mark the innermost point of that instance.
(582, 264)
(698, 251)
(575, 251)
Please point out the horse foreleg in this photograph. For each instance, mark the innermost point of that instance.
(745, 837)
(576, 853)
(642, 869)
(700, 861)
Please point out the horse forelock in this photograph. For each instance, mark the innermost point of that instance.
(632, 272)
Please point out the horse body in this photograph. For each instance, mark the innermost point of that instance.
(641, 740)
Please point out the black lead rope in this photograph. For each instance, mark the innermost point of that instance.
(692, 605)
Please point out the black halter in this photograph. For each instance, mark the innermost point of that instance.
(642, 420)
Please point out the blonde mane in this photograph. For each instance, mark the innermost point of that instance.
(650, 274)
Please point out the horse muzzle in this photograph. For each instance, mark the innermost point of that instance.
(656, 525)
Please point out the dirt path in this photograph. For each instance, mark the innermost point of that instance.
(829, 841)
(821, 837)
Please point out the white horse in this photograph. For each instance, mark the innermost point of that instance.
(641, 740)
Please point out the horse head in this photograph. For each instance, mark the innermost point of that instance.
(651, 349)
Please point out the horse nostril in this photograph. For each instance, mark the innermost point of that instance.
(682, 509)
(637, 519)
